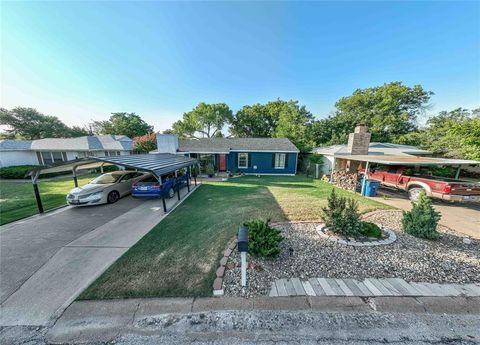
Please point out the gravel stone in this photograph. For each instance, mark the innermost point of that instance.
(305, 254)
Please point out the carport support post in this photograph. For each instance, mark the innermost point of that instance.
(362, 193)
(75, 180)
(457, 174)
(188, 180)
(36, 191)
(178, 191)
(163, 199)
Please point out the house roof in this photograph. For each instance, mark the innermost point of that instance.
(406, 160)
(86, 143)
(225, 145)
(374, 149)
(15, 145)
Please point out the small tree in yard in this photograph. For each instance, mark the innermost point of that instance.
(263, 240)
(422, 220)
(145, 143)
(341, 215)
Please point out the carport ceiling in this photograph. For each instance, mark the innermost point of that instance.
(406, 160)
(159, 163)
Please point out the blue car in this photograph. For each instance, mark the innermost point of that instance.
(149, 186)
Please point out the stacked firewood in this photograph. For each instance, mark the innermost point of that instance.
(345, 180)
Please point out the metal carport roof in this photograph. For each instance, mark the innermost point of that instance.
(406, 160)
(157, 163)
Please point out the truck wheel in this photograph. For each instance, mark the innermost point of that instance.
(414, 193)
(171, 193)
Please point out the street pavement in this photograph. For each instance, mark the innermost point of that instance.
(280, 320)
(48, 261)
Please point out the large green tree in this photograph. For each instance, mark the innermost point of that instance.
(203, 121)
(29, 124)
(390, 111)
(254, 121)
(277, 118)
(453, 134)
(129, 124)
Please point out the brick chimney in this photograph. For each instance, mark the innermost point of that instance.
(359, 141)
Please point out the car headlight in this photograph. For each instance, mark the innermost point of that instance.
(96, 195)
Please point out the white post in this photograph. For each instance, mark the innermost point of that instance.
(364, 180)
(457, 174)
(243, 256)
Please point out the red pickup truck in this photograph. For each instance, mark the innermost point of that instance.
(415, 182)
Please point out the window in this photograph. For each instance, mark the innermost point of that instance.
(57, 157)
(279, 160)
(46, 158)
(243, 160)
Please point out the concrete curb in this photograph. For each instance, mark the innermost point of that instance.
(103, 320)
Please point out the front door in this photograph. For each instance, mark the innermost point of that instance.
(222, 163)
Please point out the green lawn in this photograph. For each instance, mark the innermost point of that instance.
(180, 255)
(17, 199)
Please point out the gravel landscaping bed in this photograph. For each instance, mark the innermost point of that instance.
(305, 254)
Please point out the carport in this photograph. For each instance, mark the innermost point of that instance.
(342, 162)
(158, 164)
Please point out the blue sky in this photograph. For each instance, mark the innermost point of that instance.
(83, 60)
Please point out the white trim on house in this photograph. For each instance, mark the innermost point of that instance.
(268, 151)
(246, 160)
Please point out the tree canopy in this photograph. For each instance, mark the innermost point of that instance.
(389, 111)
(29, 124)
(203, 121)
(129, 124)
(277, 118)
(453, 134)
(145, 143)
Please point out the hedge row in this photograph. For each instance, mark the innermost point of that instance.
(16, 171)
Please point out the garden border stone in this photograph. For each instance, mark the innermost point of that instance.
(220, 272)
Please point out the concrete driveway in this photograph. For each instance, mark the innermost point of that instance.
(47, 261)
(464, 218)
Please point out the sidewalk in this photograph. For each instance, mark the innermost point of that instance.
(369, 287)
(46, 293)
(103, 321)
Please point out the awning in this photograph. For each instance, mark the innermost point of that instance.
(158, 163)
(406, 160)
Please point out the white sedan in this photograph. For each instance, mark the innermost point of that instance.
(106, 188)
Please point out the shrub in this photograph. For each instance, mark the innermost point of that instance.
(17, 171)
(341, 215)
(209, 169)
(370, 230)
(263, 240)
(422, 220)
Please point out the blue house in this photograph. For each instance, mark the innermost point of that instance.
(259, 156)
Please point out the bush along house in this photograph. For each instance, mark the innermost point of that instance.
(256, 156)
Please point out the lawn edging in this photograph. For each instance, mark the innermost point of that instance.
(220, 272)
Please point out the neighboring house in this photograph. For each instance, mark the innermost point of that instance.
(54, 150)
(262, 156)
(329, 152)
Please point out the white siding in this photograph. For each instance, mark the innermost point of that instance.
(10, 158)
(327, 164)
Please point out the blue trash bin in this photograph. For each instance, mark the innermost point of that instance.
(371, 187)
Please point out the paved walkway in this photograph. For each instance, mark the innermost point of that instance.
(464, 218)
(369, 287)
(68, 251)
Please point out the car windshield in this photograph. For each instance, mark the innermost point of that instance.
(106, 179)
